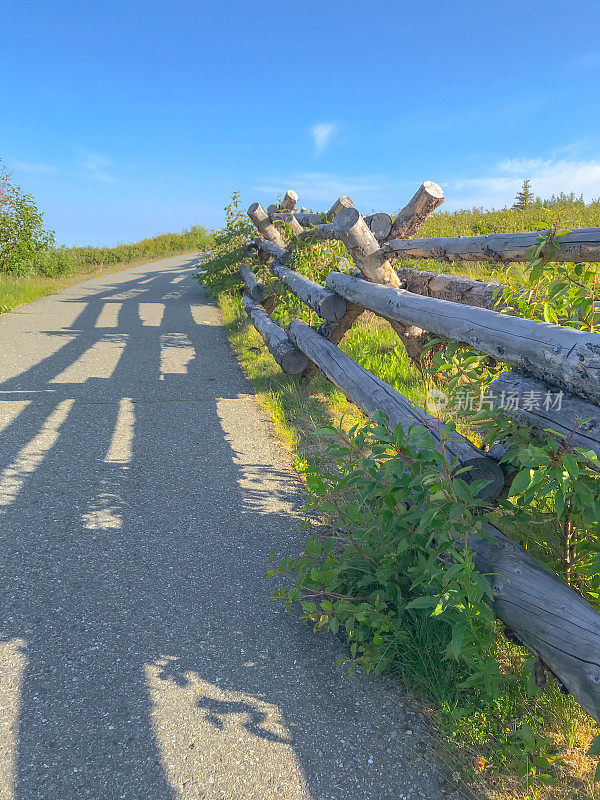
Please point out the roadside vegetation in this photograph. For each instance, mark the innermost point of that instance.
(31, 265)
(377, 569)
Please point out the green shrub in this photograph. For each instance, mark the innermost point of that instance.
(26, 248)
(22, 234)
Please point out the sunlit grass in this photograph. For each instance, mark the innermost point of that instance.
(17, 290)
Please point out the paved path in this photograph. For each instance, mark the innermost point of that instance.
(141, 488)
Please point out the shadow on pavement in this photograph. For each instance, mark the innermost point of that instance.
(136, 510)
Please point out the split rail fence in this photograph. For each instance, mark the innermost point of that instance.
(552, 620)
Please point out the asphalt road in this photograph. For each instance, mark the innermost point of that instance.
(141, 488)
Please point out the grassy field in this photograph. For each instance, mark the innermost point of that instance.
(54, 268)
(480, 740)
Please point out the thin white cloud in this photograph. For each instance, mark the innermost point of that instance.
(95, 166)
(33, 167)
(322, 133)
(495, 188)
(548, 176)
(320, 189)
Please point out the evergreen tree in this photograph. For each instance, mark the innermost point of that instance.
(524, 199)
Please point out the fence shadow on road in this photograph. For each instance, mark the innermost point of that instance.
(136, 509)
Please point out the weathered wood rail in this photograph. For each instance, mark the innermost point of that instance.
(549, 617)
(578, 245)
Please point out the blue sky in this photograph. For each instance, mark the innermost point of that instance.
(126, 119)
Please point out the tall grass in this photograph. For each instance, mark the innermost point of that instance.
(57, 261)
(479, 222)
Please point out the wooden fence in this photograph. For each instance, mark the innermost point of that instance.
(552, 620)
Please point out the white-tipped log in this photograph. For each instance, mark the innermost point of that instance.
(340, 204)
(380, 225)
(256, 289)
(371, 394)
(264, 225)
(554, 353)
(580, 245)
(286, 354)
(352, 230)
(289, 200)
(548, 407)
(423, 203)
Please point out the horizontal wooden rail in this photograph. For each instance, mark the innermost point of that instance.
(554, 353)
(582, 244)
(290, 358)
(371, 394)
(483, 294)
(256, 289)
(551, 619)
(327, 304)
(544, 406)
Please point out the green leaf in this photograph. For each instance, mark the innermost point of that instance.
(423, 602)
(571, 465)
(545, 778)
(454, 648)
(520, 483)
(326, 430)
(313, 547)
(550, 314)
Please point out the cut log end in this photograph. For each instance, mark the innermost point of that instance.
(486, 470)
(433, 189)
(289, 201)
(340, 204)
(380, 225)
(293, 361)
(346, 219)
(332, 308)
